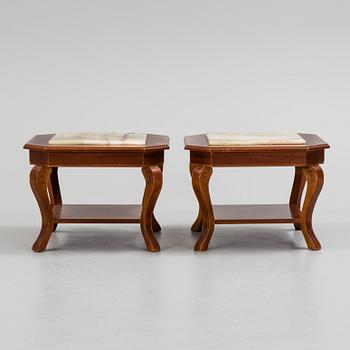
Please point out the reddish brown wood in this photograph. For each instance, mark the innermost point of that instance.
(258, 158)
(41, 143)
(41, 153)
(95, 159)
(154, 179)
(97, 213)
(200, 143)
(44, 181)
(200, 183)
(253, 214)
(314, 177)
(155, 224)
(305, 158)
(39, 182)
(198, 224)
(312, 152)
(296, 194)
(54, 191)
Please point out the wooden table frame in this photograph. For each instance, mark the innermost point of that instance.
(305, 158)
(45, 185)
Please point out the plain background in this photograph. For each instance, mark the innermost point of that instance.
(175, 68)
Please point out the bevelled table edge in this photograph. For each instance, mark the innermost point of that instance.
(31, 146)
(254, 148)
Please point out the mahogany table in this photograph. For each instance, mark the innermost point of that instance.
(305, 158)
(45, 185)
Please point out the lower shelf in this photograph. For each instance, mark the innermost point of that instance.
(253, 214)
(130, 213)
(97, 213)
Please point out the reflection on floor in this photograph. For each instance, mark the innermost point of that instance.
(96, 287)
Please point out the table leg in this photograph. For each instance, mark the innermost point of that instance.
(200, 182)
(154, 179)
(296, 194)
(314, 177)
(155, 224)
(39, 182)
(54, 191)
(198, 224)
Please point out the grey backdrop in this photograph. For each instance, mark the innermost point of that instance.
(176, 68)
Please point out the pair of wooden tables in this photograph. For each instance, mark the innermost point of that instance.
(47, 159)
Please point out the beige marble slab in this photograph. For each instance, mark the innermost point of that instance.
(254, 138)
(94, 138)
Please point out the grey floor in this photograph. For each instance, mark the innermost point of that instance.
(96, 287)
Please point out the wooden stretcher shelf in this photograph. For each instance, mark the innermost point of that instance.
(97, 213)
(253, 214)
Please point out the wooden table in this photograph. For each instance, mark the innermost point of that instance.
(305, 158)
(45, 185)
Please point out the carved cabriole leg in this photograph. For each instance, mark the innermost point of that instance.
(200, 183)
(296, 194)
(54, 191)
(314, 178)
(198, 224)
(39, 182)
(153, 177)
(155, 224)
